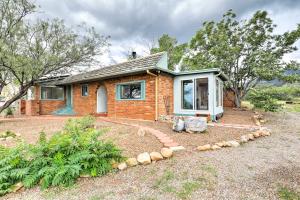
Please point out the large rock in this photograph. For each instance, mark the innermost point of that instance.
(233, 143)
(144, 158)
(204, 147)
(256, 134)
(178, 124)
(131, 162)
(166, 152)
(122, 166)
(221, 144)
(195, 124)
(156, 156)
(215, 147)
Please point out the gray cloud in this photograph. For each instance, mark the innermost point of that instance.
(132, 22)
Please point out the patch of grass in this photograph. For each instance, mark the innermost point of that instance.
(187, 189)
(292, 107)
(210, 169)
(167, 176)
(285, 193)
(247, 104)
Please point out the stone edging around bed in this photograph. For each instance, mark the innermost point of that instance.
(262, 132)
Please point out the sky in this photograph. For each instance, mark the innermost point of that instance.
(135, 25)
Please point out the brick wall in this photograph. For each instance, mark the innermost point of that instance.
(228, 99)
(32, 107)
(165, 95)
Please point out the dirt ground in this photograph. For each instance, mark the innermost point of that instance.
(256, 170)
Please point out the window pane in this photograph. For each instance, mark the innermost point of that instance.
(201, 96)
(130, 91)
(84, 90)
(187, 94)
(52, 93)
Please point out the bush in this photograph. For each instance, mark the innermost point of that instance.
(263, 100)
(60, 160)
(9, 111)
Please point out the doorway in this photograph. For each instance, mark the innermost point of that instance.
(101, 100)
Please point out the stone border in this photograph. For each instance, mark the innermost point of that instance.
(263, 132)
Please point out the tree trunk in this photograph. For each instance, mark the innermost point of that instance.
(237, 99)
(16, 97)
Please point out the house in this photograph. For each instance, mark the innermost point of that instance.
(142, 88)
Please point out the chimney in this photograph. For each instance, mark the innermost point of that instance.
(133, 55)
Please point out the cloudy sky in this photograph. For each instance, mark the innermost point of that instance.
(135, 24)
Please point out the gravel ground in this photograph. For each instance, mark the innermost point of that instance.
(252, 171)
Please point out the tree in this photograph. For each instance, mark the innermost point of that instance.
(247, 51)
(30, 51)
(169, 44)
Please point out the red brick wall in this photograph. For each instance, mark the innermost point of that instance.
(165, 95)
(32, 107)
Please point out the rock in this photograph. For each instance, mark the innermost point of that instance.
(264, 132)
(156, 156)
(244, 138)
(250, 136)
(144, 158)
(166, 152)
(177, 148)
(195, 124)
(233, 143)
(18, 135)
(17, 187)
(9, 138)
(114, 165)
(132, 162)
(256, 134)
(141, 132)
(2, 139)
(221, 144)
(204, 147)
(178, 124)
(215, 147)
(122, 166)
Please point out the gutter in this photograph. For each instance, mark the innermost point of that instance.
(156, 93)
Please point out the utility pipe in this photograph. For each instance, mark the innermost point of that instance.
(156, 93)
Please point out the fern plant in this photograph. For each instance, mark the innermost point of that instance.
(60, 160)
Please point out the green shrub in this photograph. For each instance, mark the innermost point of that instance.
(263, 100)
(7, 133)
(60, 160)
(9, 111)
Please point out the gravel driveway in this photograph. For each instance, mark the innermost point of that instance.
(255, 170)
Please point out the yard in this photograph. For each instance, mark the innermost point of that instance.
(267, 168)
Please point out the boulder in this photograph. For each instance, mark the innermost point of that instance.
(2, 139)
(144, 158)
(195, 124)
(204, 147)
(156, 156)
(244, 138)
(166, 152)
(233, 143)
(9, 138)
(178, 124)
(264, 132)
(215, 147)
(122, 166)
(141, 132)
(250, 136)
(256, 134)
(114, 165)
(131, 162)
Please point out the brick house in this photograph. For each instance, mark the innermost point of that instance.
(143, 88)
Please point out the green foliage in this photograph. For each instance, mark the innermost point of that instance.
(60, 160)
(175, 51)
(284, 93)
(261, 99)
(246, 50)
(9, 111)
(7, 133)
(288, 194)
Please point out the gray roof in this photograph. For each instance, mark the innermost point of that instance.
(126, 68)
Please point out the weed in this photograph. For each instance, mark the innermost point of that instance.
(288, 194)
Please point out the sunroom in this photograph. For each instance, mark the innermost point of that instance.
(199, 93)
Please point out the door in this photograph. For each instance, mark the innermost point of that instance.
(101, 100)
(69, 96)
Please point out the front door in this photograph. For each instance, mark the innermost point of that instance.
(101, 100)
(69, 96)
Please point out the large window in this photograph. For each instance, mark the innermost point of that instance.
(131, 91)
(52, 93)
(187, 94)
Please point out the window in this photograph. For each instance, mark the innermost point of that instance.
(131, 91)
(187, 94)
(52, 93)
(84, 90)
(201, 95)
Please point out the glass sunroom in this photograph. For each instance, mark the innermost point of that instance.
(199, 93)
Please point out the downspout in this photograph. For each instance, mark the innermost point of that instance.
(156, 93)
